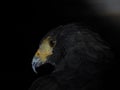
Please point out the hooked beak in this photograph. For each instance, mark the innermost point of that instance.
(36, 62)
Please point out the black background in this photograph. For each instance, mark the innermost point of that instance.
(33, 20)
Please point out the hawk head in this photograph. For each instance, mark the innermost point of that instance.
(67, 47)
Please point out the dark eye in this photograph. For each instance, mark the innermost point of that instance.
(52, 43)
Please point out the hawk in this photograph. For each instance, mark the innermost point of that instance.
(79, 55)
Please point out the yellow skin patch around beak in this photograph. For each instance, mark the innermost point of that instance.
(45, 50)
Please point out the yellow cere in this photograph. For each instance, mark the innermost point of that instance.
(45, 50)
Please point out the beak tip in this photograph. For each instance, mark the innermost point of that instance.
(36, 63)
(34, 68)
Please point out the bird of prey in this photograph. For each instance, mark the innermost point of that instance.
(79, 55)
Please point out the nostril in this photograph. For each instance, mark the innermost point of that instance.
(38, 54)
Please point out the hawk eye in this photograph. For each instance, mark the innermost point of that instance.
(52, 43)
